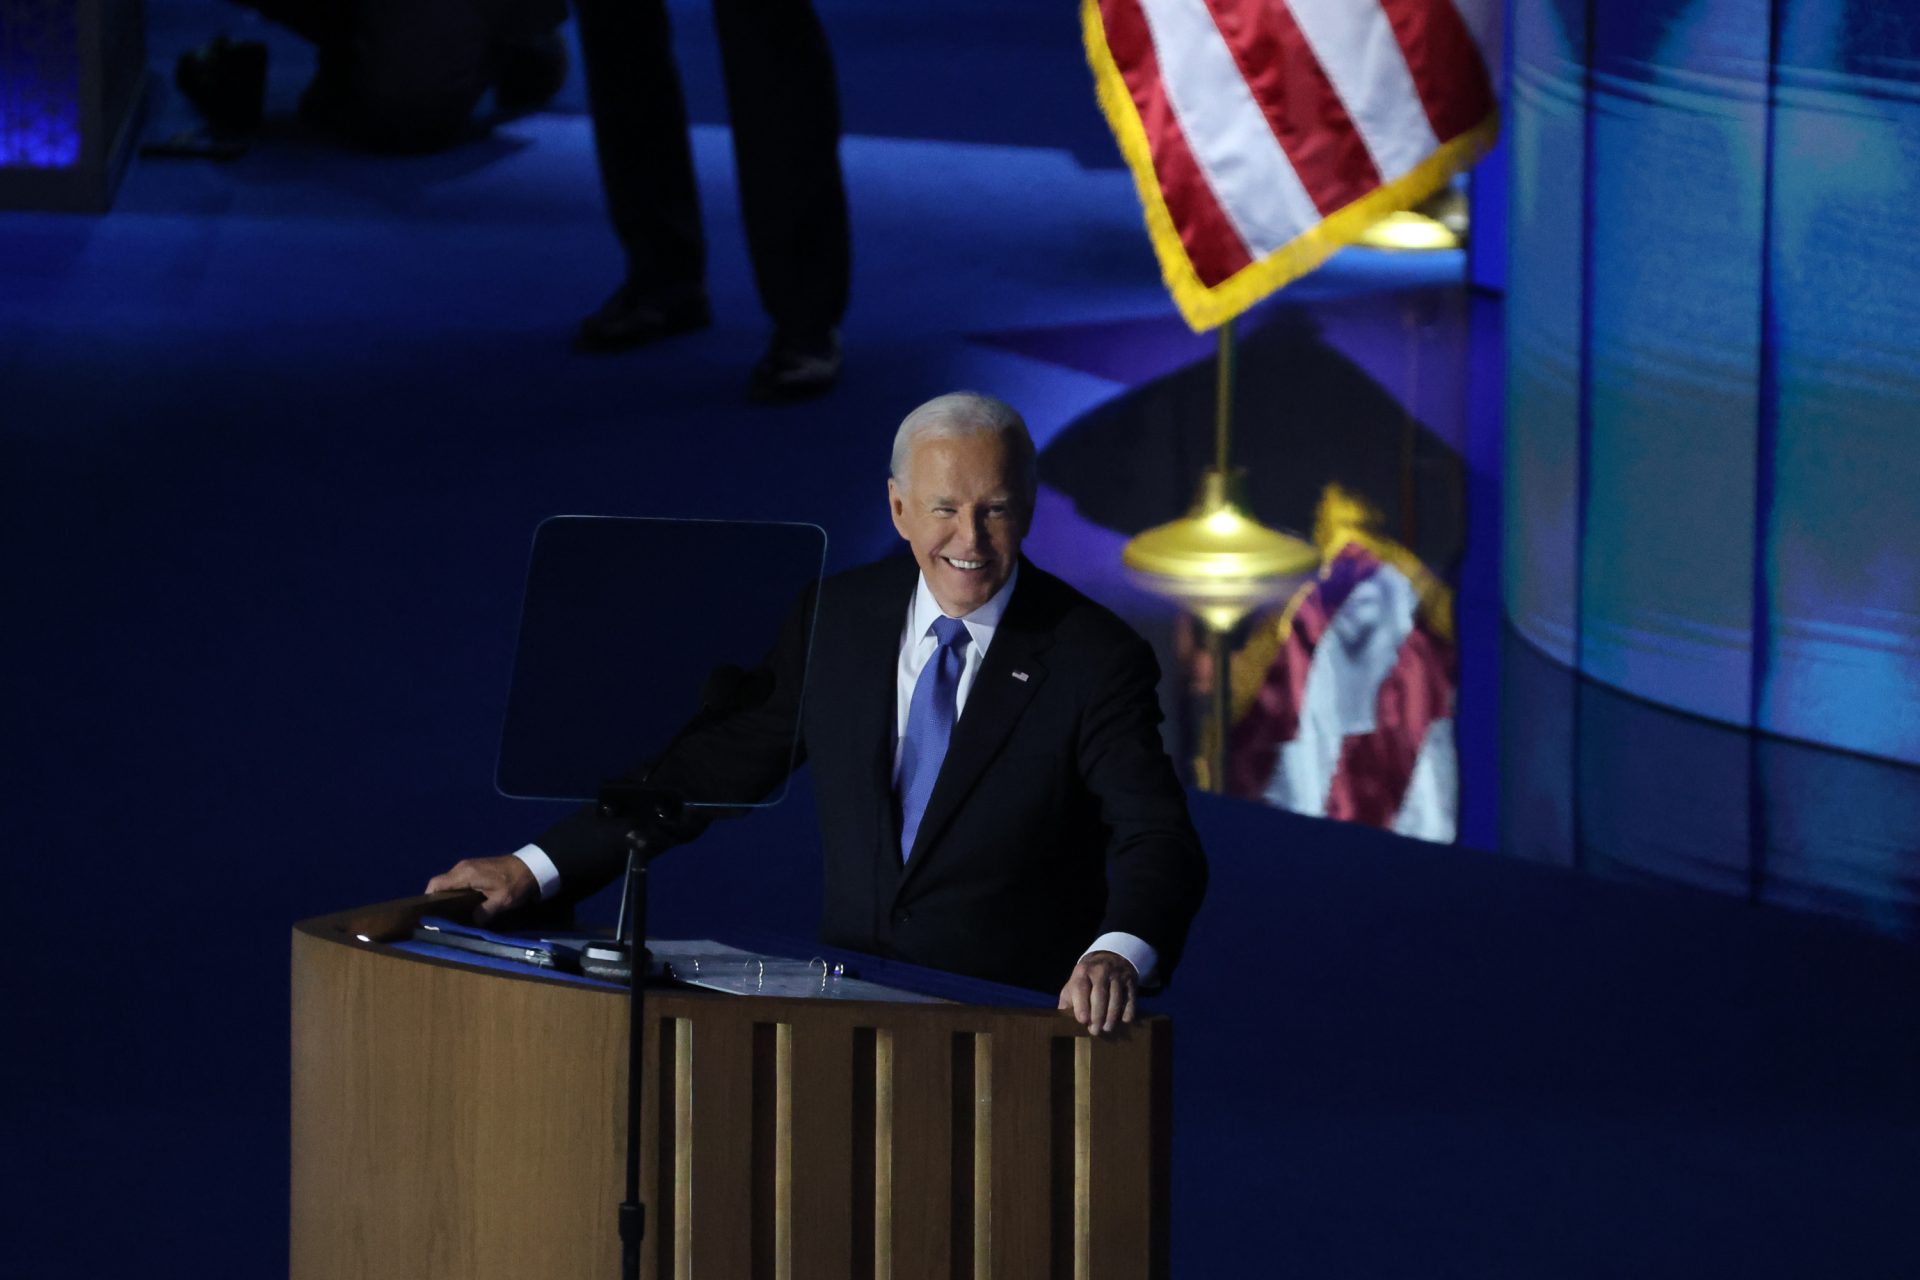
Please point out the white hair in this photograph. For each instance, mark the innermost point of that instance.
(966, 413)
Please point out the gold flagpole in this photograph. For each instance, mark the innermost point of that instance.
(1223, 400)
(1219, 563)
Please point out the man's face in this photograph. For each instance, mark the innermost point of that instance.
(964, 510)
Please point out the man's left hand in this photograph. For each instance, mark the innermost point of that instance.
(1100, 992)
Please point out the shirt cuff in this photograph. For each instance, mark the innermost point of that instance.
(548, 876)
(1142, 957)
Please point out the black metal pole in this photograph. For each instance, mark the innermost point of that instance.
(654, 811)
(633, 917)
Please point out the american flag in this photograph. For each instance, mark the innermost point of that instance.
(1265, 134)
(1344, 707)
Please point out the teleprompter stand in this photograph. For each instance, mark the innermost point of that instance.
(651, 814)
(618, 614)
(647, 811)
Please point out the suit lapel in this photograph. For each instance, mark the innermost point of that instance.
(1009, 676)
(872, 710)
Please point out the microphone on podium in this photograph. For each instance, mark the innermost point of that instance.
(728, 690)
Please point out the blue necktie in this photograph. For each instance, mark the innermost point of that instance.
(930, 719)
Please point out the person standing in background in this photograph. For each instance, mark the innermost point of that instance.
(785, 114)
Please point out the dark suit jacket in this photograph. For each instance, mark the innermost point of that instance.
(1056, 816)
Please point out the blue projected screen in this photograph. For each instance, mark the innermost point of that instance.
(1547, 194)
(1677, 173)
(1841, 653)
(1714, 444)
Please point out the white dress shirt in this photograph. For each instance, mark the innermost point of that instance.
(917, 644)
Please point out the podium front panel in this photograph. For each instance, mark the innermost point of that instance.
(457, 1122)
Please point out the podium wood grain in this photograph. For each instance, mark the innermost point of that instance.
(465, 1124)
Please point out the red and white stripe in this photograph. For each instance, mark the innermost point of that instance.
(1359, 729)
(1266, 117)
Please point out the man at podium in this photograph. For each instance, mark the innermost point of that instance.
(993, 794)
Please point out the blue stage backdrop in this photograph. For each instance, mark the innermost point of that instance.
(1712, 461)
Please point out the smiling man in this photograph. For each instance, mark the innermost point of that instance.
(994, 797)
(961, 494)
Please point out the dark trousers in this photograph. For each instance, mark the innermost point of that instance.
(786, 148)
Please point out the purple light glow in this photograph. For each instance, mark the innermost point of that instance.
(39, 85)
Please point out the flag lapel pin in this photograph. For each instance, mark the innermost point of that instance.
(1021, 676)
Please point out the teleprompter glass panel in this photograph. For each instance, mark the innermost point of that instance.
(632, 627)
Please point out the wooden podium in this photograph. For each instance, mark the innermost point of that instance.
(463, 1122)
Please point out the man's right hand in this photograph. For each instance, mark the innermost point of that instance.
(505, 881)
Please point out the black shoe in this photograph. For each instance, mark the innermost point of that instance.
(796, 368)
(632, 319)
(226, 81)
(527, 73)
